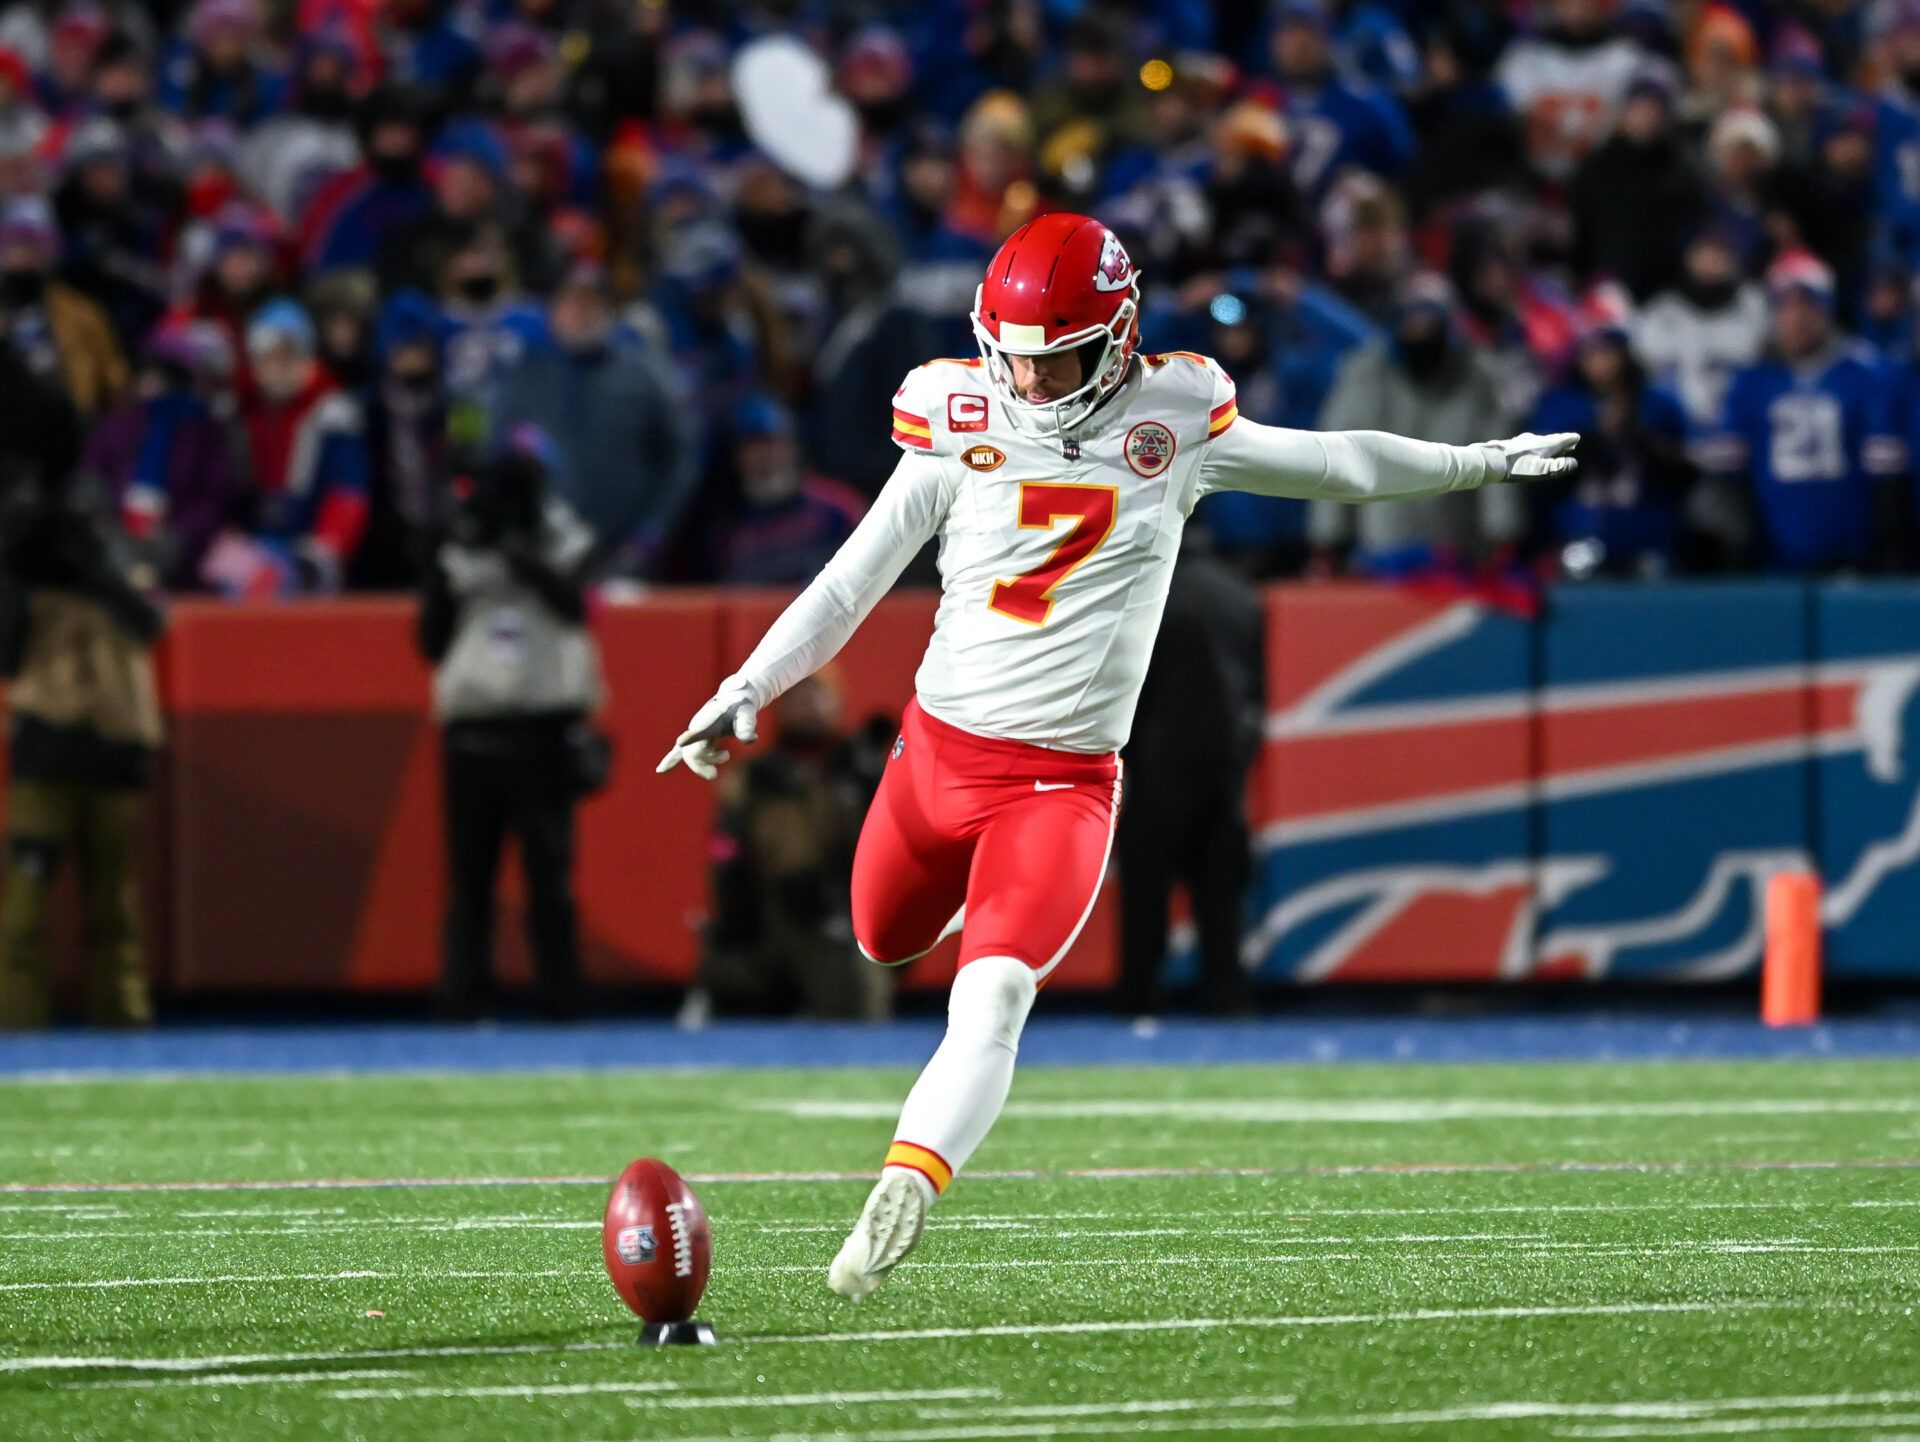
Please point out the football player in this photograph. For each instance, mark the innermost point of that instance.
(1057, 470)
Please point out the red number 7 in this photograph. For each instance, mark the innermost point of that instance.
(1043, 504)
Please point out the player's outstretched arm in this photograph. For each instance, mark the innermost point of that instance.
(811, 631)
(1370, 465)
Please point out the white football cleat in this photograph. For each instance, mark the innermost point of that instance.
(888, 1229)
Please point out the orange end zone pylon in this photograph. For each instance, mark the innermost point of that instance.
(1790, 976)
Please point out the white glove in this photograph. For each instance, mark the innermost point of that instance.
(1530, 457)
(731, 713)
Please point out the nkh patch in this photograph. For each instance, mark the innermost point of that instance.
(1149, 448)
(966, 412)
(635, 1245)
(983, 457)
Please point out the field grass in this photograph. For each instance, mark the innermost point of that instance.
(1627, 1251)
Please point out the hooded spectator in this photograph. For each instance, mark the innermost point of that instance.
(1358, 127)
(1694, 335)
(1622, 514)
(348, 218)
(873, 338)
(406, 445)
(111, 236)
(288, 158)
(486, 322)
(218, 68)
(1422, 381)
(1363, 229)
(1637, 198)
(166, 460)
(788, 523)
(54, 329)
(1836, 206)
(1468, 138)
(470, 193)
(624, 454)
(992, 193)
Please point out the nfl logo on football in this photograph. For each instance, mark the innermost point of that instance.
(635, 1245)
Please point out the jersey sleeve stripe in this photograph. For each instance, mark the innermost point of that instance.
(919, 440)
(909, 419)
(1221, 417)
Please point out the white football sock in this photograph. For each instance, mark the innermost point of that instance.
(958, 1097)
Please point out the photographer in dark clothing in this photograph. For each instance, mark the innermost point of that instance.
(1183, 805)
(76, 640)
(516, 682)
(781, 938)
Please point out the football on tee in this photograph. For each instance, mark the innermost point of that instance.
(656, 1241)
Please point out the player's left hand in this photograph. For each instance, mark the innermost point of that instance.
(1530, 457)
(730, 714)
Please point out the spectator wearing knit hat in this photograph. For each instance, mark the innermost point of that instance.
(1340, 124)
(347, 219)
(166, 460)
(1694, 335)
(218, 67)
(625, 454)
(468, 170)
(55, 329)
(110, 233)
(286, 159)
(788, 523)
(1810, 433)
(1637, 198)
(308, 443)
(1623, 515)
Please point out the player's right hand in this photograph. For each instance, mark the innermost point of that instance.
(730, 714)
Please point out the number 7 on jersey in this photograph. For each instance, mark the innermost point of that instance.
(1043, 505)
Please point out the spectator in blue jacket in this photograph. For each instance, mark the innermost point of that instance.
(1810, 429)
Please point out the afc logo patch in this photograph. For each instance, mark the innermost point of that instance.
(966, 413)
(635, 1245)
(1149, 448)
(983, 457)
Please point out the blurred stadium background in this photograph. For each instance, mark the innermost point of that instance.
(296, 270)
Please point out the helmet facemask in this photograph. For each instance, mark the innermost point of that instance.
(1108, 368)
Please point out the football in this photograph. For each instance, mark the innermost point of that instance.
(656, 1241)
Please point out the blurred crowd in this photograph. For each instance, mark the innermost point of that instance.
(285, 257)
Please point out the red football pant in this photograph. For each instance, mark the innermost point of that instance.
(1018, 833)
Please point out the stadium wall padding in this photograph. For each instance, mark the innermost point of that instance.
(1450, 790)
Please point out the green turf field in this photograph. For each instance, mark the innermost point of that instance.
(1410, 1253)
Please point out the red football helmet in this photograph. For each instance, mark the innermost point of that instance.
(1061, 282)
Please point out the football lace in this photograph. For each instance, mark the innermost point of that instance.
(682, 1241)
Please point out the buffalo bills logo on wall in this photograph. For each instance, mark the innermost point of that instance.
(1115, 271)
(635, 1245)
(966, 413)
(1456, 792)
(1149, 448)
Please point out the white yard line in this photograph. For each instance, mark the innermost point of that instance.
(1472, 1415)
(1309, 1319)
(264, 1277)
(1552, 1167)
(234, 1379)
(1749, 1426)
(254, 1359)
(655, 1400)
(1394, 1111)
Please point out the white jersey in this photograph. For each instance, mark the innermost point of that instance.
(1055, 554)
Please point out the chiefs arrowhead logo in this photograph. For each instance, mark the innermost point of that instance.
(983, 457)
(1115, 271)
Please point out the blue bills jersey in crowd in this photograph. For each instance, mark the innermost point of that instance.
(1814, 439)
